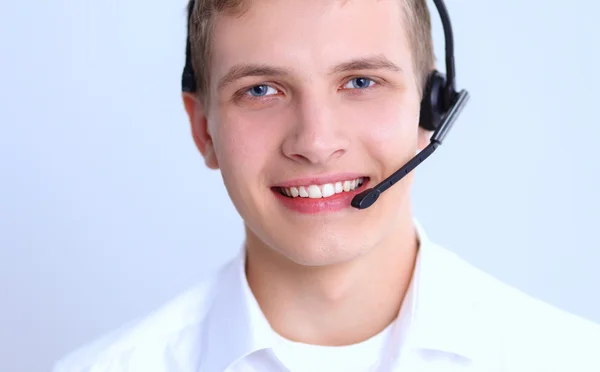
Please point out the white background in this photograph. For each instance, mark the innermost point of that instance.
(107, 210)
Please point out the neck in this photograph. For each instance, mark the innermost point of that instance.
(334, 305)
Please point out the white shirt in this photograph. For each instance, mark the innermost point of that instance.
(454, 318)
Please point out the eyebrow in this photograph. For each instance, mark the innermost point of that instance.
(377, 62)
(244, 70)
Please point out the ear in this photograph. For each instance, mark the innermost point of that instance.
(199, 125)
(424, 137)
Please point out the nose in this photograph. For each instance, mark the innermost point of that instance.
(317, 136)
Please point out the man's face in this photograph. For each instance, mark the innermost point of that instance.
(319, 93)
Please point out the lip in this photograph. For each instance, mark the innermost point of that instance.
(334, 203)
(320, 180)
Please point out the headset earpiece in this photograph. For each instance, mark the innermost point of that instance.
(188, 79)
(432, 103)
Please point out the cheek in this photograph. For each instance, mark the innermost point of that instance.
(393, 128)
(242, 144)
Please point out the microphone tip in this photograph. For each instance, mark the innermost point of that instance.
(365, 199)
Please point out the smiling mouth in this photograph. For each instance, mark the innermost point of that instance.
(322, 191)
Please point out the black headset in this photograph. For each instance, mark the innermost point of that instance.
(440, 106)
(188, 79)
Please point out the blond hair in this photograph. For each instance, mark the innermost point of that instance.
(201, 27)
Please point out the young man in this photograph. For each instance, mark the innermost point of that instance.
(301, 105)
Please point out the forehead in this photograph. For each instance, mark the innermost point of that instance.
(309, 36)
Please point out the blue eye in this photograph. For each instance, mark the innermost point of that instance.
(359, 83)
(260, 90)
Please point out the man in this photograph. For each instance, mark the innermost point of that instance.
(301, 105)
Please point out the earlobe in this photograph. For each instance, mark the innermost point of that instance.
(199, 125)
(210, 157)
(424, 137)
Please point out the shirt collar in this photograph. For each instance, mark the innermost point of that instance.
(438, 312)
(235, 326)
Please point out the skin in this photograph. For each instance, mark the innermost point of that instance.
(329, 278)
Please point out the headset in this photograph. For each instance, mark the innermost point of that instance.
(440, 107)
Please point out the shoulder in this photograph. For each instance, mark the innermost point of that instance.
(168, 335)
(520, 331)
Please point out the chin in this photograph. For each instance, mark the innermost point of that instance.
(323, 251)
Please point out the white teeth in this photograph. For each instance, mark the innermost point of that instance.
(322, 191)
(327, 190)
(294, 191)
(302, 192)
(314, 192)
